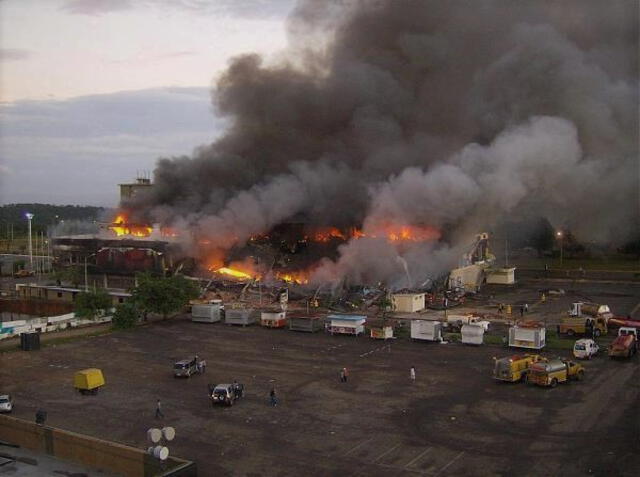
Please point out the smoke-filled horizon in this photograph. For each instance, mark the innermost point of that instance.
(450, 114)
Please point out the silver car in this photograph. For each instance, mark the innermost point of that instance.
(6, 403)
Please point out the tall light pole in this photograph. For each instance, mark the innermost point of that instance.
(559, 235)
(29, 216)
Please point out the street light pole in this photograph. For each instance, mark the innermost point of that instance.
(29, 216)
(559, 235)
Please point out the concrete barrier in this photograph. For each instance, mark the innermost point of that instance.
(89, 451)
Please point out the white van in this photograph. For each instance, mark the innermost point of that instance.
(585, 348)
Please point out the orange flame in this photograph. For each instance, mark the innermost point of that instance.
(120, 227)
(327, 234)
(299, 277)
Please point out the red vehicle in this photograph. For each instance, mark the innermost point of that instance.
(625, 345)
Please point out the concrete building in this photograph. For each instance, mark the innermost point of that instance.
(132, 189)
(408, 302)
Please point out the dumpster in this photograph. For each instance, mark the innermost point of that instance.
(428, 330)
(88, 381)
(239, 316)
(30, 341)
(472, 333)
(273, 319)
(207, 312)
(306, 323)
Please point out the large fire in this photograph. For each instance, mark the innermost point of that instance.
(120, 227)
(247, 269)
(392, 232)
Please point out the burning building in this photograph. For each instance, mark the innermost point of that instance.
(393, 131)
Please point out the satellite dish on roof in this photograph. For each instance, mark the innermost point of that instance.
(161, 452)
(154, 435)
(169, 433)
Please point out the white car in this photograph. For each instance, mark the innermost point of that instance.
(585, 348)
(6, 403)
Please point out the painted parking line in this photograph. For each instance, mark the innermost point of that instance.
(388, 451)
(417, 458)
(449, 463)
(356, 447)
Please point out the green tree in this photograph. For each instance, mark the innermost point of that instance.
(126, 316)
(92, 303)
(163, 295)
(70, 274)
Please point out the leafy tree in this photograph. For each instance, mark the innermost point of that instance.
(163, 295)
(92, 303)
(70, 274)
(126, 316)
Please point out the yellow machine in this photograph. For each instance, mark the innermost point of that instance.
(88, 381)
(582, 326)
(514, 368)
(554, 371)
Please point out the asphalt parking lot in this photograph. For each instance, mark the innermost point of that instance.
(454, 420)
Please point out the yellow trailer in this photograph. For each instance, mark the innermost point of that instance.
(88, 381)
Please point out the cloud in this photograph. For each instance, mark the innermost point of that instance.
(14, 54)
(95, 7)
(78, 150)
(251, 9)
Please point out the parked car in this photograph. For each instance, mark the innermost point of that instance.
(23, 274)
(227, 394)
(585, 348)
(6, 403)
(187, 367)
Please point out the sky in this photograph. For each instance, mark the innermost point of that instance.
(93, 92)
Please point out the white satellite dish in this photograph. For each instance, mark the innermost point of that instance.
(161, 452)
(154, 435)
(169, 433)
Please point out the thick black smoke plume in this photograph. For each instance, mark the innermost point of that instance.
(447, 113)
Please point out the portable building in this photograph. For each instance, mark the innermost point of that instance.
(472, 333)
(239, 316)
(306, 323)
(346, 324)
(427, 330)
(207, 312)
(408, 302)
(381, 332)
(273, 318)
(527, 336)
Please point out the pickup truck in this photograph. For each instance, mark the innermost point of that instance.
(626, 343)
(188, 367)
(227, 394)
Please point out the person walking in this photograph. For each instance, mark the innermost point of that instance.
(346, 374)
(272, 397)
(412, 374)
(341, 375)
(159, 409)
(521, 310)
(526, 308)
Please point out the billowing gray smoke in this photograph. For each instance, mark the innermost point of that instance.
(445, 113)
